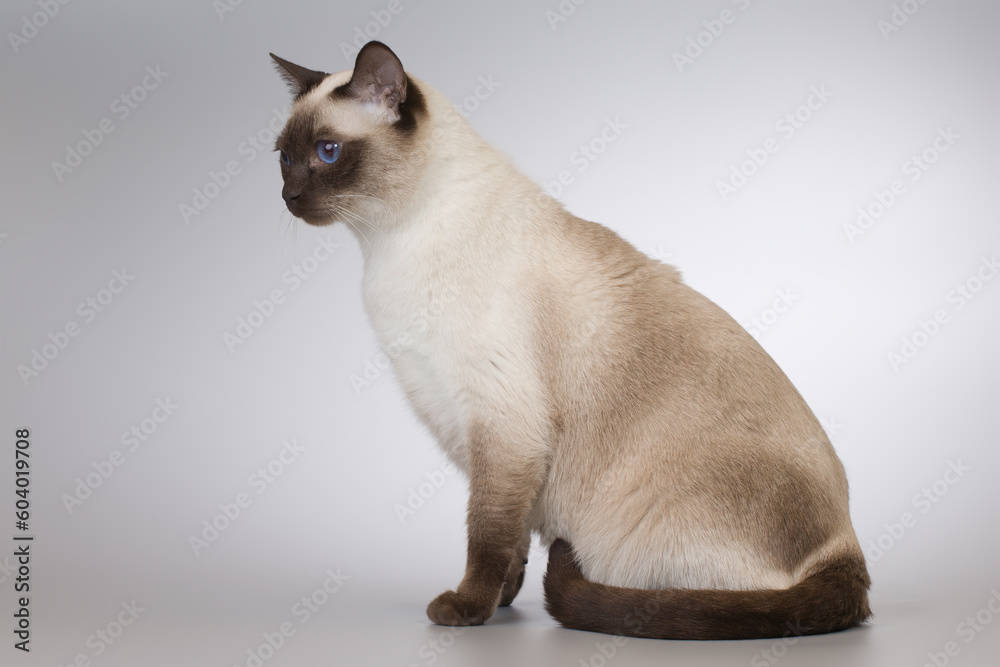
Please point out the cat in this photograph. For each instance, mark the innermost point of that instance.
(683, 485)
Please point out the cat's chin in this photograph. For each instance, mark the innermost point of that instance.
(319, 222)
(315, 219)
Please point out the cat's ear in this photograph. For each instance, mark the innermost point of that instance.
(299, 79)
(378, 79)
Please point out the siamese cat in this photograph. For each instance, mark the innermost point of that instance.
(686, 489)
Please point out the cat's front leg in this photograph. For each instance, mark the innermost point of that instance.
(504, 481)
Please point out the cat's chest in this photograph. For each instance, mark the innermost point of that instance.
(417, 318)
(408, 306)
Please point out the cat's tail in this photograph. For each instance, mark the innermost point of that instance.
(834, 597)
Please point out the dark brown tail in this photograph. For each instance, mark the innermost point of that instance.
(833, 598)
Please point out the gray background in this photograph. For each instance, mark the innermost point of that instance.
(554, 88)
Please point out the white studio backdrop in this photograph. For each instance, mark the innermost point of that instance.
(215, 434)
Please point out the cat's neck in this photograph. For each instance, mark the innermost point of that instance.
(467, 193)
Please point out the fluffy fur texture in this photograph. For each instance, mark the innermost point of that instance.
(587, 392)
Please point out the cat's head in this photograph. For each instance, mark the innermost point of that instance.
(346, 151)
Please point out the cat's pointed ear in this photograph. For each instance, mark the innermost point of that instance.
(378, 79)
(299, 79)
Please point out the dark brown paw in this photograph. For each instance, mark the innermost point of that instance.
(450, 608)
(515, 579)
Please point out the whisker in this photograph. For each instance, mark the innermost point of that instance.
(348, 216)
(344, 212)
(362, 219)
(352, 215)
(357, 216)
(288, 223)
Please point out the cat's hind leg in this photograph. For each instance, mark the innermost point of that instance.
(515, 575)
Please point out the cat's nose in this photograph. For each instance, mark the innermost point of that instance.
(290, 195)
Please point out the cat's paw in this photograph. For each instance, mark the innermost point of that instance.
(450, 608)
(515, 578)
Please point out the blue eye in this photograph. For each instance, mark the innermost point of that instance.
(328, 151)
(285, 159)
